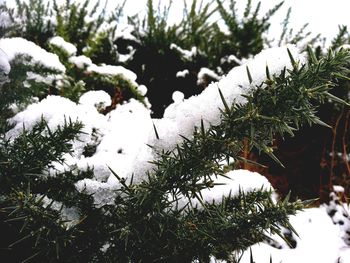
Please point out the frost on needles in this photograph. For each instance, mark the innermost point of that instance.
(143, 189)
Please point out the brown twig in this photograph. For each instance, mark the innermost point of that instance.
(335, 128)
(323, 192)
(345, 145)
(245, 152)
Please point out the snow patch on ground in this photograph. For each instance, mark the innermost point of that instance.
(319, 241)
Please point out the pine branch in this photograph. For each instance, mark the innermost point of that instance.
(25, 157)
(277, 108)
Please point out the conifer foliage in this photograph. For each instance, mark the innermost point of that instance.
(58, 204)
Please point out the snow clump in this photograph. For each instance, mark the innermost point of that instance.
(113, 71)
(233, 182)
(80, 61)
(59, 42)
(5, 67)
(204, 74)
(186, 54)
(178, 97)
(96, 98)
(182, 74)
(19, 46)
(116, 137)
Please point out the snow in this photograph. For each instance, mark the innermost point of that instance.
(56, 110)
(339, 212)
(323, 236)
(121, 137)
(4, 63)
(233, 58)
(5, 20)
(124, 31)
(182, 74)
(117, 137)
(124, 58)
(20, 46)
(120, 29)
(204, 73)
(186, 54)
(105, 247)
(80, 61)
(69, 215)
(182, 118)
(112, 70)
(39, 78)
(59, 42)
(319, 241)
(178, 97)
(231, 185)
(96, 98)
(103, 193)
(142, 89)
(338, 189)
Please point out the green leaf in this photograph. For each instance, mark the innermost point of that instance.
(240, 158)
(249, 75)
(273, 156)
(155, 131)
(267, 71)
(336, 99)
(319, 122)
(227, 108)
(202, 128)
(251, 256)
(292, 60)
(312, 55)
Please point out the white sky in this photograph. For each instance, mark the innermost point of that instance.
(323, 16)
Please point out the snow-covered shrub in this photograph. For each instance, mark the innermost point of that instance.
(135, 188)
(31, 20)
(87, 174)
(163, 51)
